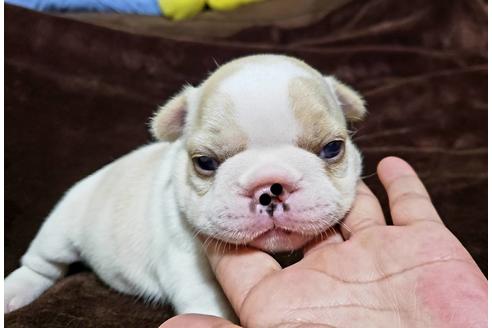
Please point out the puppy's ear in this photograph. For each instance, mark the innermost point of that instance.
(169, 120)
(351, 102)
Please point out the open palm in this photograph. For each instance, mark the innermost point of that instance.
(414, 273)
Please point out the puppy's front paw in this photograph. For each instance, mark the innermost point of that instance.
(22, 287)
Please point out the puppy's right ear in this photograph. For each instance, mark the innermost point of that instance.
(169, 120)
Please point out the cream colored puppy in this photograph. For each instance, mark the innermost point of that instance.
(258, 154)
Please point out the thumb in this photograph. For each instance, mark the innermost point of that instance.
(239, 270)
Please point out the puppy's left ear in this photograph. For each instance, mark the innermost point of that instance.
(169, 120)
(351, 102)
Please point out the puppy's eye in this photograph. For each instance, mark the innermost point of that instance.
(331, 149)
(205, 165)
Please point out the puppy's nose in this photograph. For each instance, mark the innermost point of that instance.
(274, 193)
(276, 189)
(265, 199)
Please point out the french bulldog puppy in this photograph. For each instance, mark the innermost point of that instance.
(258, 154)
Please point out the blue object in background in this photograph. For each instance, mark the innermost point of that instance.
(140, 7)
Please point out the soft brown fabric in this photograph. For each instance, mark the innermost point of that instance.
(83, 301)
(79, 96)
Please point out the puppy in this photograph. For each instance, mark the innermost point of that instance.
(259, 154)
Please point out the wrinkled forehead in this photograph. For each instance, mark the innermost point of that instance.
(268, 102)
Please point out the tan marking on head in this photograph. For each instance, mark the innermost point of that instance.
(220, 144)
(215, 131)
(319, 118)
(216, 135)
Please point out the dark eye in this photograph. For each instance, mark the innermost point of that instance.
(206, 165)
(331, 149)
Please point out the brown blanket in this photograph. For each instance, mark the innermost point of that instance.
(78, 95)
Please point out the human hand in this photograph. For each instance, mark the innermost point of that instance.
(412, 274)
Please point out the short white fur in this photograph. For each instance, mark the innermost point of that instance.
(265, 116)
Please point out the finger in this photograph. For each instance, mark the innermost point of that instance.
(197, 321)
(366, 212)
(239, 270)
(408, 199)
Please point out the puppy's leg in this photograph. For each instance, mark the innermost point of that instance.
(192, 286)
(45, 261)
(204, 298)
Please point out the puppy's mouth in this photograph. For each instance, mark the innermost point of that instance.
(276, 231)
(278, 239)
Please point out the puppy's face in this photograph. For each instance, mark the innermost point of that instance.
(269, 161)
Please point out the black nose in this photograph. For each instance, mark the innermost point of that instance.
(276, 189)
(265, 199)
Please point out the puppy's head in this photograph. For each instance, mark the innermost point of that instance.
(269, 159)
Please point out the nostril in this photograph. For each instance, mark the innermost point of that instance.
(276, 189)
(265, 199)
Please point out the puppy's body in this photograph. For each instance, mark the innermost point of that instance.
(124, 222)
(264, 119)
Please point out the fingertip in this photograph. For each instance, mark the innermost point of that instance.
(408, 198)
(180, 320)
(193, 320)
(392, 167)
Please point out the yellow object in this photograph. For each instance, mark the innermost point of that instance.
(228, 4)
(182, 9)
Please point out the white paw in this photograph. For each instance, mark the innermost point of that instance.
(22, 287)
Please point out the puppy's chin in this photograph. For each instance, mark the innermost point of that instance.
(279, 240)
